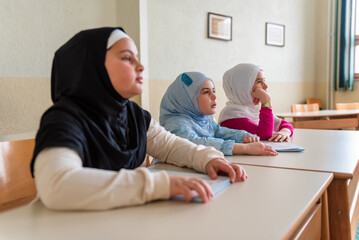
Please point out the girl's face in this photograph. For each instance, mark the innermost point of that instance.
(207, 99)
(260, 82)
(124, 68)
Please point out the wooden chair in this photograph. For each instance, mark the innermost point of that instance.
(305, 107)
(347, 106)
(17, 187)
(315, 100)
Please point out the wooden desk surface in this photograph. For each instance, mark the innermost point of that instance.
(268, 205)
(322, 113)
(334, 151)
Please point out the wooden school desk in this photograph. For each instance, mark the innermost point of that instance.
(333, 119)
(271, 204)
(332, 151)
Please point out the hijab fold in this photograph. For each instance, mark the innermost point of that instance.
(88, 115)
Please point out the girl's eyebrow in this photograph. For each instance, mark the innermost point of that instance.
(207, 89)
(127, 50)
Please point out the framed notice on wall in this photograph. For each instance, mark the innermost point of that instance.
(275, 34)
(219, 26)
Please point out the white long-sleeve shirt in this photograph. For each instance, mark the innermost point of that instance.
(63, 183)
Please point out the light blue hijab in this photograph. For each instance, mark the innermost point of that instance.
(179, 107)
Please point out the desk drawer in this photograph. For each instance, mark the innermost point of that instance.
(311, 226)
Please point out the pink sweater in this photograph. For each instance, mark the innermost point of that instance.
(264, 129)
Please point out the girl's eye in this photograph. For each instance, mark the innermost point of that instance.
(127, 58)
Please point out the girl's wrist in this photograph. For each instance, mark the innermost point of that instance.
(266, 98)
(285, 131)
(239, 148)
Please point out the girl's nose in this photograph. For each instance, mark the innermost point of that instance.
(140, 67)
(214, 96)
(265, 86)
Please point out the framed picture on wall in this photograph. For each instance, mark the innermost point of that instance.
(219, 26)
(275, 34)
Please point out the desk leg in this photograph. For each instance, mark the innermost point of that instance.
(339, 210)
(325, 217)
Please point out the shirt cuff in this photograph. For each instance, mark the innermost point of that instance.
(227, 147)
(162, 185)
(206, 154)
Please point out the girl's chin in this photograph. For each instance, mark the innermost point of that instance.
(132, 95)
(209, 113)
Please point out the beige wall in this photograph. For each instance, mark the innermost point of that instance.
(321, 47)
(23, 100)
(172, 38)
(178, 42)
(31, 31)
(348, 96)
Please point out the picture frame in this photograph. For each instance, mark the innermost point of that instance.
(219, 26)
(275, 34)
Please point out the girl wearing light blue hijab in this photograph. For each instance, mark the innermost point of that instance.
(187, 110)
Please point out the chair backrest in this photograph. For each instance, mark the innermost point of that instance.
(315, 100)
(347, 106)
(305, 107)
(18, 187)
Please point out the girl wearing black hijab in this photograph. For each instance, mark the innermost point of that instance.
(93, 139)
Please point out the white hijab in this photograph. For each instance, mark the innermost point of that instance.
(115, 36)
(238, 84)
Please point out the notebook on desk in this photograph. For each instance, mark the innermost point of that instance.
(284, 146)
(217, 185)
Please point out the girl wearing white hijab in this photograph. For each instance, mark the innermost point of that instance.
(245, 87)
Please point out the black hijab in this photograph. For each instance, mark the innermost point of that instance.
(88, 115)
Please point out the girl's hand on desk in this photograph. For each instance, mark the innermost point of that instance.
(182, 185)
(256, 148)
(234, 171)
(250, 138)
(282, 136)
